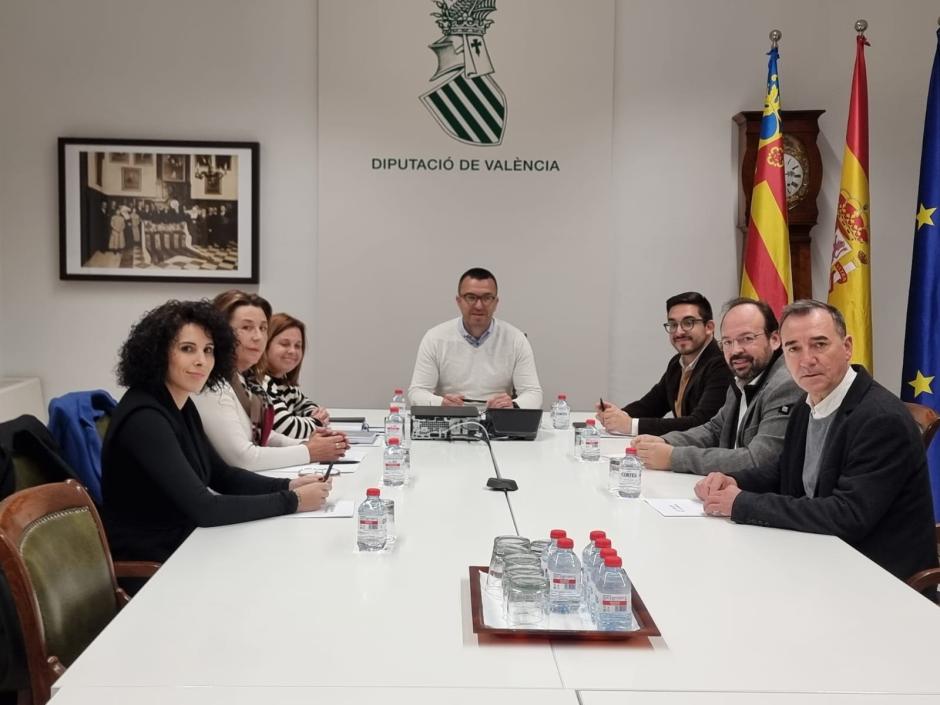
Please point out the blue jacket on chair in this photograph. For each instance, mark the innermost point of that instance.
(72, 423)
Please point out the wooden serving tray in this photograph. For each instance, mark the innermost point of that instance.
(641, 616)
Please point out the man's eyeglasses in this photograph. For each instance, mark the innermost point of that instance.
(687, 324)
(471, 299)
(742, 341)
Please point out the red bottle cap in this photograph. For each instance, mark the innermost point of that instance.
(394, 441)
(399, 391)
(591, 422)
(558, 534)
(373, 492)
(613, 561)
(630, 450)
(565, 543)
(598, 534)
(393, 409)
(608, 552)
(602, 543)
(562, 396)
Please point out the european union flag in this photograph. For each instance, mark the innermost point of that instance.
(921, 375)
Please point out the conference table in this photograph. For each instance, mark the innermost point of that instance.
(286, 610)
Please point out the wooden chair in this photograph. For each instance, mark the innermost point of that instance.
(55, 557)
(929, 422)
(926, 418)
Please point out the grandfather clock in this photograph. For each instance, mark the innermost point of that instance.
(802, 165)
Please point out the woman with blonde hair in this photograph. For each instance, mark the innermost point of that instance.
(238, 417)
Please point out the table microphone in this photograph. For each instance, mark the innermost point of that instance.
(498, 483)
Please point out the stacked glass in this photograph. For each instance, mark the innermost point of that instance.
(501, 546)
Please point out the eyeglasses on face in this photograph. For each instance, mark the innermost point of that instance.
(742, 341)
(687, 323)
(471, 299)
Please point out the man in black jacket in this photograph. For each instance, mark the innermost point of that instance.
(853, 463)
(695, 382)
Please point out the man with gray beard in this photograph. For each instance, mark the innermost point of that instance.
(748, 430)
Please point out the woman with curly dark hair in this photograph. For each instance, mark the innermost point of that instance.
(160, 476)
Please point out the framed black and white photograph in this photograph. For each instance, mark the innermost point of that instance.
(185, 211)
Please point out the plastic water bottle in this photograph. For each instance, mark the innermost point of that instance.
(631, 474)
(590, 442)
(589, 555)
(394, 473)
(564, 578)
(394, 424)
(372, 533)
(590, 550)
(594, 577)
(561, 412)
(614, 594)
(552, 546)
(398, 399)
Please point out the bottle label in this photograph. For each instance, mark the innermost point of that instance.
(564, 582)
(372, 525)
(392, 466)
(611, 604)
(392, 430)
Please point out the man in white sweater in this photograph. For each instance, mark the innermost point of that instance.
(475, 358)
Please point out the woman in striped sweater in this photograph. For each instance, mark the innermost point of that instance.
(295, 414)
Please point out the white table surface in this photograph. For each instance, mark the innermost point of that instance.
(201, 695)
(288, 602)
(619, 697)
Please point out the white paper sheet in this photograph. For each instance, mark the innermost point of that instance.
(677, 507)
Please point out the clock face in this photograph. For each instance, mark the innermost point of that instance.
(795, 170)
(793, 174)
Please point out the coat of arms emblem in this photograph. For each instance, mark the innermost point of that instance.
(468, 104)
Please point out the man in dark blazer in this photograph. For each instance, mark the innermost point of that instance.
(693, 387)
(853, 463)
(748, 430)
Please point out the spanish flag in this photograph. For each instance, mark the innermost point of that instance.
(766, 271)
(850, 271)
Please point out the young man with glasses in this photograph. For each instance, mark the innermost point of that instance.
(694, 384)
(475, 358)
(748, 430)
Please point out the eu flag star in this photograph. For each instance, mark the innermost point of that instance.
(924, 216)
(921, 384)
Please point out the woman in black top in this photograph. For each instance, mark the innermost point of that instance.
(160, 476)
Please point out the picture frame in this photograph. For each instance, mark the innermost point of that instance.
(130, 178)
(184, 211)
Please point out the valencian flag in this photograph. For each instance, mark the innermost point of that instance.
(920, 381)
(766, 271)
(850, 270)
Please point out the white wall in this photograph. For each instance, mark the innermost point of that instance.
(683, 68)
(241, 70)
(212, 69)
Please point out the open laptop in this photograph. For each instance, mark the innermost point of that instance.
(514, 424)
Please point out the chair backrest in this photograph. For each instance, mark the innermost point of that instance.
(29, 456)
(55, 556)
(926, 418)
(28, 472)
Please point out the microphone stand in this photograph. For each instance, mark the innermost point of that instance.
(498, 483)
